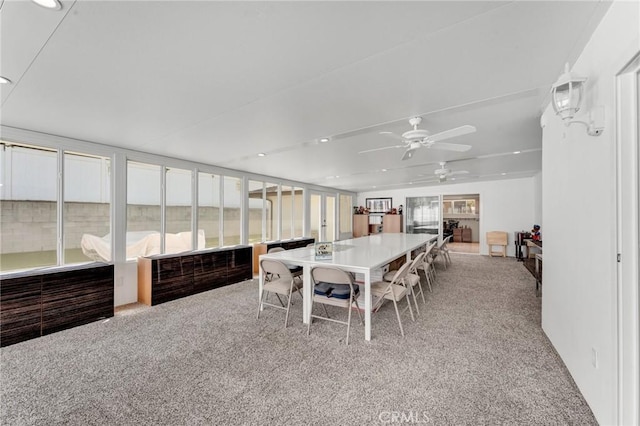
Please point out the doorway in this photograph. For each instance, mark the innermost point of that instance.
(461, 220)
(322, 216)
(628, 236)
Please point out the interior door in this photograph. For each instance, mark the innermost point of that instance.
(322, 209)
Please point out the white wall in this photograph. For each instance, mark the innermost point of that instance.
(579, 211)
(505, 205)
(537, 200)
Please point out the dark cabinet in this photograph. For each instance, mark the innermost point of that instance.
(462, 235)
(172, 278)
(209, 271)
(73, 298)
(20, 309)
(168, 277)
(36, 303)
(239, 267)
(263, 248)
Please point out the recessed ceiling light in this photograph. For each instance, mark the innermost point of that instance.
(374, 187)
(516, 152)
(49, 4)
(384, 170)
(261, 154)
(503, 174)
(453, 178)
(324, 140)
(4, 80)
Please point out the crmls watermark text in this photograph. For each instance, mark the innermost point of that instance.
(403, 417)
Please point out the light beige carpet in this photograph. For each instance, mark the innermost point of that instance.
(477, 355)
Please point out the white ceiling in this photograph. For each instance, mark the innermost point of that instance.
(220, 82)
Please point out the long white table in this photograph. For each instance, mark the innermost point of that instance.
(360, 255)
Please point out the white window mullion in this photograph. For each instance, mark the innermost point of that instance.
(60, 209)
(163, 207)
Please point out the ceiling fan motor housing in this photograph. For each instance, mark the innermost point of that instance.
(415, 135)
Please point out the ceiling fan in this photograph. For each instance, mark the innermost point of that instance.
(417, 138)
(443, 173)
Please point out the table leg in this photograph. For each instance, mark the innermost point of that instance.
(367, 305)
(260, 286)
(307, 293)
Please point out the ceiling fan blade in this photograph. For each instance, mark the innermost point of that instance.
(380, 149)
(426, 180)
(450, 146)
(408, 154)
(451, 133)
(458, 172)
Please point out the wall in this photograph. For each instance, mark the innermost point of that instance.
(505, 205)
(579, 210)
(537, 200)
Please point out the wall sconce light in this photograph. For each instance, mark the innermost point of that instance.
(566, 97)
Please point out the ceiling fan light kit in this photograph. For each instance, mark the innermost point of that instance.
(49, 4)
(567, 94)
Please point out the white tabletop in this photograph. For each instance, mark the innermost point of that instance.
(368, 252)
(360, 255)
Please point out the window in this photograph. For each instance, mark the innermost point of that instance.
(314, 215)
(423, 215)
(143, 208)
(256, 211)
(231, 215)
(209, 208)
(346, 210)
(298, 204)
(287, 212)
(272, 209)
(330, 219)
(29, 207)
(178, 210)
(86, 214)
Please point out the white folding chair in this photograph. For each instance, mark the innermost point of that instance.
(428, 267)
(278, 280)
(395, 291)
(335, 287)
(296, 270)
(413, 279)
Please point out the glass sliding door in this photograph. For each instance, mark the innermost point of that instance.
(323, 216)
(315, 202)
(423, 215)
